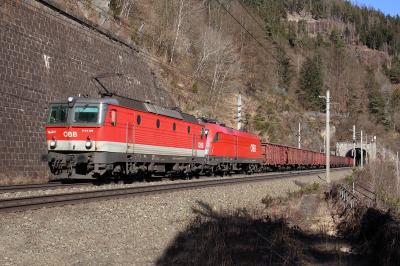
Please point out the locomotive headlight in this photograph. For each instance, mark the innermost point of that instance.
(88, 143)
(53, 142)
(207, 151)
(70, 99)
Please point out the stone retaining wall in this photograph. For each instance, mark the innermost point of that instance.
(46, 53)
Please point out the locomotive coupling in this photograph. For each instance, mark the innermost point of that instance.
(82, 158)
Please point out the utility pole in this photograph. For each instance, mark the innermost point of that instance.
(239, 112)
(397, 173)
(366, 149)
(362, 156)
(328, 148)
(354, 145)
(299, 135)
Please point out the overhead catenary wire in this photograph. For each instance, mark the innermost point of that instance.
(164, 63)
(141, 52)
(97, 66)
(147, 54)
(249, 32)
(267, 34)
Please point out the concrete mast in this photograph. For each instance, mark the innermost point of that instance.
(239, 112)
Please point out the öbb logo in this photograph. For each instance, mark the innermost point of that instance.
(70, 134)
(253, 148)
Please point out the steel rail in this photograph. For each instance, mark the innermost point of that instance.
(42, 186)
(30, 203)
(79, 183)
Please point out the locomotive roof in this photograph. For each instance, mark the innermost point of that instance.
(148, 107)
(134, 104)
(86, 100)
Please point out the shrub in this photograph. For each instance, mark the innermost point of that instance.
(268, 201)
(115, 8)
(307, 190)
(196, 86)
(349, 179)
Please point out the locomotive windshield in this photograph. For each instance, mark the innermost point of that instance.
(86, 114)
(58, 114)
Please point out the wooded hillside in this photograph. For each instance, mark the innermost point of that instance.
(281, 55)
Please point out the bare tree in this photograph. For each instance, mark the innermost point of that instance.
(187, 10)
(219, 61)
(208, 47)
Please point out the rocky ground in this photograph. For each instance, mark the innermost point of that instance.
(130, 231)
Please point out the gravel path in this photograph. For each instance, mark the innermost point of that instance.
(130, 231)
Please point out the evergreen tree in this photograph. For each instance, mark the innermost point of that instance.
(395, 71)
(285, 71)
(291, 36)
(311, 83)
(376, 101)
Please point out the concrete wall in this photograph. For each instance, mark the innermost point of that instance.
(46, 53)
(344, 147)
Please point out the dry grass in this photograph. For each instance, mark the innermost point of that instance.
(236, 238)
(380, 177)
(281, 234)
(374, 234)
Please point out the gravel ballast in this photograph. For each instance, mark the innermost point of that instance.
(130, 231)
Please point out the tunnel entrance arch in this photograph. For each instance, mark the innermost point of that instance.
(366, 156)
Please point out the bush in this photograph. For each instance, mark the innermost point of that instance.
(311, 189)
(196, 86)
(268, 201)
(349, 179)
(307, 190)
(115, 8)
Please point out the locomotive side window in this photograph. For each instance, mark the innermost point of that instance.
(202, 133)
(174, 126)
(139, 120)
(206, 132)
(188, 129)
(216, 138)
(113, 115)
(86, 114)
(58, 114)
(158, 123)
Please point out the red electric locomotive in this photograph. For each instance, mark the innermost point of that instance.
(117, 136)
(228, 149)
(106, 137)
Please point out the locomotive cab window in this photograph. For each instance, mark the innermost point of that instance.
(86, 114)
(58, 114)
(202, 133)
(206, 131)
(216, 137)
(113, 115)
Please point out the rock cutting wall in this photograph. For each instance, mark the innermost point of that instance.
(46, 53)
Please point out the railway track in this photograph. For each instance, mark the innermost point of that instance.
(41, 186)
(81, 183)
(30, 203)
